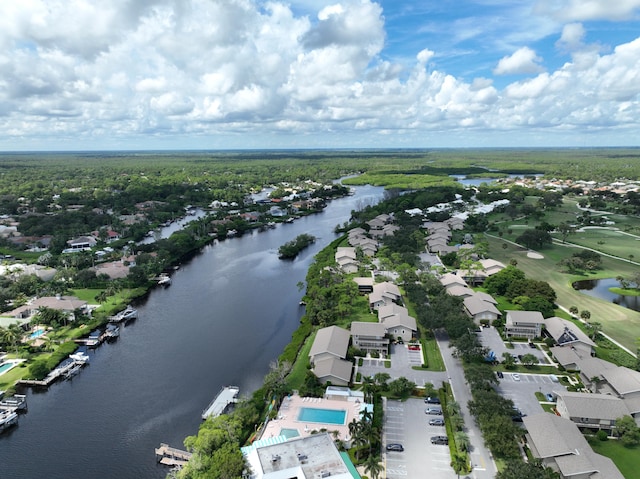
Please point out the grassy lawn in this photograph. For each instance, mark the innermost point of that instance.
(626, 459)
(432, 354)
(620, 323)
(295, 379)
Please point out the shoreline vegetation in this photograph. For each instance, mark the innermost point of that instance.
(291, 249)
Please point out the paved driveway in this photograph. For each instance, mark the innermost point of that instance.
(490, 338)
(407, 424)
(522, 392)
(402, 360)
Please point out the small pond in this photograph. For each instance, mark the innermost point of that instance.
(599, 288)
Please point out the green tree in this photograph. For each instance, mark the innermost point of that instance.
(628, 431)
(508, 360)
(373, 466)
(519, 469)
(533, 238)
(585, 314)
(401, 387)
(381, 379)
(11, 336)
(459, 464)
(529, 360)
(462, 441)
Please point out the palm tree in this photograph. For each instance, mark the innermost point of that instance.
(373, 466)
(459, 464)
(462, 441)
(12, 335)
(453, 407)
(368, 388)
(456, 421)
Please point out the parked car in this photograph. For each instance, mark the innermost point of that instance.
(444, 440)
(436, 422)
(436, 411)
(432, 400)
(499, 374)
(395, 447)
(515, 376)
(517, 415)
(532, 346)
(549, 397)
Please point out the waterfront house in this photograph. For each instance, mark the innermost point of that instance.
(332, 341)
(328, 353)
(524, 324)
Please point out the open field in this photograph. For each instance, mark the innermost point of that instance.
(620, 323)
(625, 458)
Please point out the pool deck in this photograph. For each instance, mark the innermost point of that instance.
(287, 417)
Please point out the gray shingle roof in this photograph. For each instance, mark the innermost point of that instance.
(593, 406)
(333, 340)
(551, 436)
(566, 332)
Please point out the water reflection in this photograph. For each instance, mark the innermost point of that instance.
(599, 288)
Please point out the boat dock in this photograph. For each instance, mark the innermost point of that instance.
(63, 368)
(170, 456)
(227, 395)
(17, 402)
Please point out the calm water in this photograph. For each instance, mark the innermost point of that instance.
(226, 316)
(599, 288)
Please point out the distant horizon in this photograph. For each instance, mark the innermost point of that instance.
(363, 149)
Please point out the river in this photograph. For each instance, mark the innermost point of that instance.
(229, 312)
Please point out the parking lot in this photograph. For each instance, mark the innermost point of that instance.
(490, 338)
(407, 424)
(522, 392)
(402, 360)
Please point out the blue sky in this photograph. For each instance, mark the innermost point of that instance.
(228, 74)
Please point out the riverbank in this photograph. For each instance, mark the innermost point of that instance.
(229, 313)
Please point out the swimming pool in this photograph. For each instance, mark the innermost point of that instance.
(324, 416)
(289, 433)
(4, 367)
(37, 333)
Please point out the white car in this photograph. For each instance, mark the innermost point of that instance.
(515, 376)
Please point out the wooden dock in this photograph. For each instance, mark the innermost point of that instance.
(227, 395)
(170, 456)
(54, 375)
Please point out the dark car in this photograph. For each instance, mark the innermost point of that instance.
(532, 346)
(444, 440)
(432, 400)
(499, 374)
(517, 415)
(395, 447)
(433, 410)
(436, 422)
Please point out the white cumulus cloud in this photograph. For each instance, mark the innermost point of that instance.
(522, 61)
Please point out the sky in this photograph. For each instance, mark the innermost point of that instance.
(252, 74)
